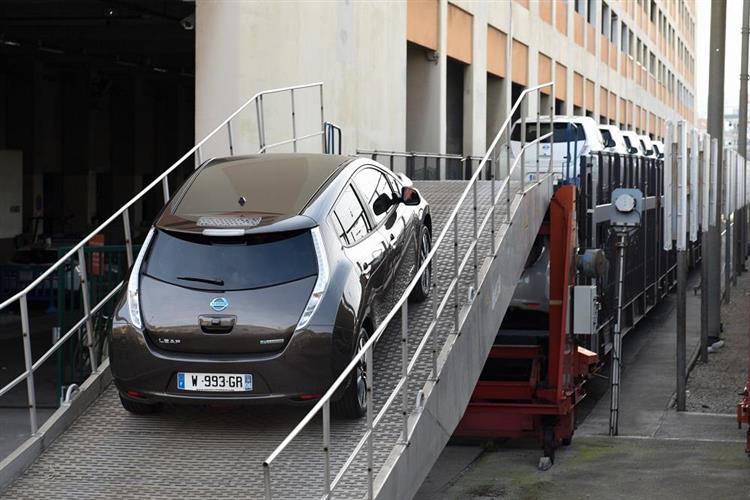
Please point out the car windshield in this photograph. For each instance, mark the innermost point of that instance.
(564, 132)
(231, 263)
(607, 136)
(629, 143)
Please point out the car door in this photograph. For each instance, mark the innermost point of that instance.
(394, 226)
(363, 245)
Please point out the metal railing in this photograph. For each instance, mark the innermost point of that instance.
(427, 166)
(332, 138)
(90, 310)
(430, 334)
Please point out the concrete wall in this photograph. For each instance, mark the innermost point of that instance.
(358, 49)
(393, 95)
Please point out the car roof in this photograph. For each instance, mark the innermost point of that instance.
(280, 184)
(269, 190)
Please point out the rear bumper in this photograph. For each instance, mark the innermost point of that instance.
(303, 368)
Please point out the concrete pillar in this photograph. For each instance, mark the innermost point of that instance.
(443, 72)
(475, 103)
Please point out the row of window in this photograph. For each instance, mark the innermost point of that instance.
(631, 44)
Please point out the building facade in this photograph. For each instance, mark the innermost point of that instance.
(437, 75)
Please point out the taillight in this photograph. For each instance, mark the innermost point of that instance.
(320, 284)
(134, 305)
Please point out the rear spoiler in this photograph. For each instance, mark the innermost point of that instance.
(229, 225)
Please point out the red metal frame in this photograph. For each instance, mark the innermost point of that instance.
(547, 400)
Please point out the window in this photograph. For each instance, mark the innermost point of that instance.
(591, 12)
(579, 6)
(372, 183)
(613, 28)
(349, 217)
(624, 40)
(563, 132)
(231, 263)
(605, 20)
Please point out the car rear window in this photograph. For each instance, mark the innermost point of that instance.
(231, 263)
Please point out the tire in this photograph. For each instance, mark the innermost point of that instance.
(353, 403)
(422, 290)
(137, 408)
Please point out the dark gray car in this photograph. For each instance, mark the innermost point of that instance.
(262, 277)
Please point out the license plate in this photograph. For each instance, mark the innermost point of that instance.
(215, 382)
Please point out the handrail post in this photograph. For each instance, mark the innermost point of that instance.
(476, 242)
(538, 130)
(493, 174)
(230, 137)
(455, 273)
(30, 388)
(165, 188)
(551, 129)
(434, 302)
(326, 447)
(267, 479)
(87, 307)
(259, 120)
(128, 238)
(294, 123)
(371, 430)
(507, 168)
(523, 145)
(322, 118)
(404, 371)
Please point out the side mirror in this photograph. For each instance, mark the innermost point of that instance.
(382, 203)
(609, 143)
(410, 196)
(632, 150)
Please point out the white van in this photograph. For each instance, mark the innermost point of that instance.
(648, 146)
(573, 137)
(614, 142)
(633, 142)
(658, 148)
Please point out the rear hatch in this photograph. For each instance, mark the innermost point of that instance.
(226, 294)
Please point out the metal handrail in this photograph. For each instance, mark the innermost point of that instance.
(89, 312)
(411, 154)
(374, 154)
(402, 305)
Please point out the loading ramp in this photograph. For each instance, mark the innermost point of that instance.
(486, 228)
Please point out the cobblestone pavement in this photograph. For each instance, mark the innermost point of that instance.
(714, 387)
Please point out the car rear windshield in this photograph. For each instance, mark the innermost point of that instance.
(231, 263)
(563, 132)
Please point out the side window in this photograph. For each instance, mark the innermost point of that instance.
(371, 183)
(349, 217)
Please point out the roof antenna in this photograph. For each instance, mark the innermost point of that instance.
(242, 201)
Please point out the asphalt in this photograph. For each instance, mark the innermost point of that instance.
(659, 452)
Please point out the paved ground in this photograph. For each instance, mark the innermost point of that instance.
(660, 454)
(713, 387)
(607, 468)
